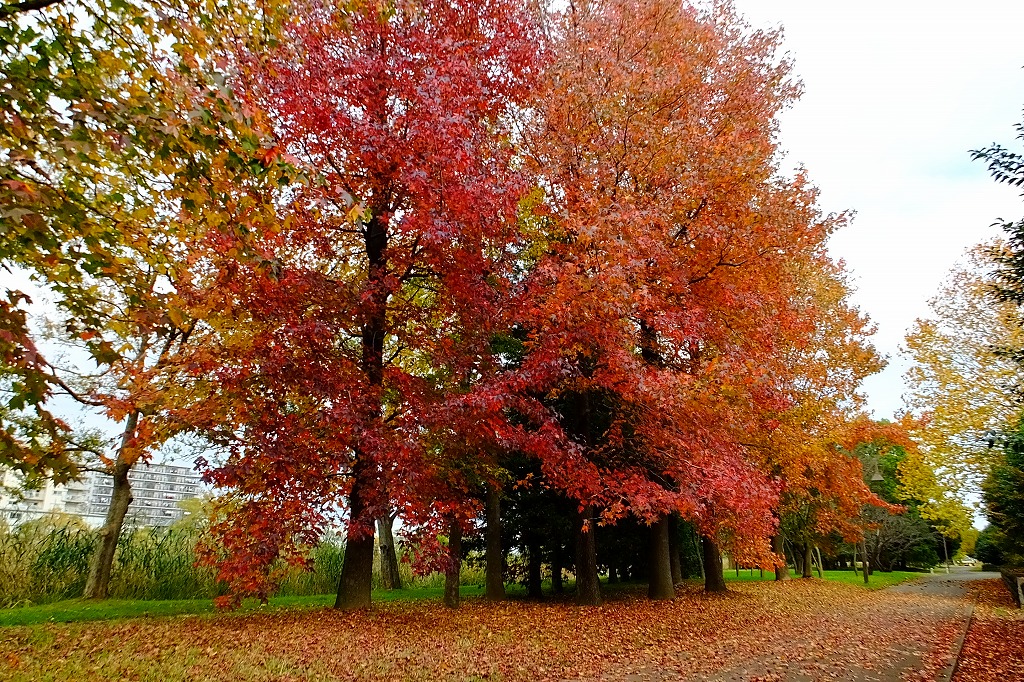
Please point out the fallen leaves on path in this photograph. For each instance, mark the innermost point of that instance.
(994, 648)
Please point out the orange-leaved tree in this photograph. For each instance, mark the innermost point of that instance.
(822, 490)
(662, 307)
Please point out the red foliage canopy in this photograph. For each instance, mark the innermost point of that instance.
(367, 320)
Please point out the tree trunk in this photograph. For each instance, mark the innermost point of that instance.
(673, 549)
(640, 569)
(686, 566)
(557, 586)
(494, 576)
(781, 566)
(821, 567)
(714, 581)
(659, 580)
(798, 559)
(101, 564)
(454, 569)
(808, 559)
(588, 586)
(699, 550)
(534, 563)
(356, 580)
(855, 558)
(389, 574)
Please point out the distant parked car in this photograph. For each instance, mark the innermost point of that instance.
(968, 561)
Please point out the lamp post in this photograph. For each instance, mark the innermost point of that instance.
(876, 472)
(876, 475)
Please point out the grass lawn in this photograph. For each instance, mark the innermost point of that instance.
(75, 610)
(877, 581)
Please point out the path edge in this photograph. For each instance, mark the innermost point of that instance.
(951, 669)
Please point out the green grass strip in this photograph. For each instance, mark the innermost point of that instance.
(74, 610)
(878, 579)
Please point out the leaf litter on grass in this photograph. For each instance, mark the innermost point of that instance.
(815, 629)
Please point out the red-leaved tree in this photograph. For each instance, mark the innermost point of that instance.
(350, 352)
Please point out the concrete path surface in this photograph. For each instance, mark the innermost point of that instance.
(912, 635)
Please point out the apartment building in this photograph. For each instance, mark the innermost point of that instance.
(156, 491)
(72, 498)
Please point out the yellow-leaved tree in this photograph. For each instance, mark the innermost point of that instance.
(962, 382)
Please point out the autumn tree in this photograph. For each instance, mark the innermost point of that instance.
(1003, 494)
(1002, 485)
(539, 525)
(122, 147)
(896, 537)
(989, 546)
(649, 278)
(1007, 166)
(963, 377)
(668, 288)
(135, 389)
(371, 331)
(822, 491)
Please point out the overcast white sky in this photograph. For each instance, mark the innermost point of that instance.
(895, 95)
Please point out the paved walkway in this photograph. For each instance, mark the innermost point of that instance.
(911, 635)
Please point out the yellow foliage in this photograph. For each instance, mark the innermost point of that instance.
(960, 384)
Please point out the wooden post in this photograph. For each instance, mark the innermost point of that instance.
(867, 562)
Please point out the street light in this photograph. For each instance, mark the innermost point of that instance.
(876, 475)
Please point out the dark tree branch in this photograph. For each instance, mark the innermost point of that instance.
(11, 9)
(78, 397)
(691, 218)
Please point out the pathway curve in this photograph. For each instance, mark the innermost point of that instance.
(909, 633)
(911, 636)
